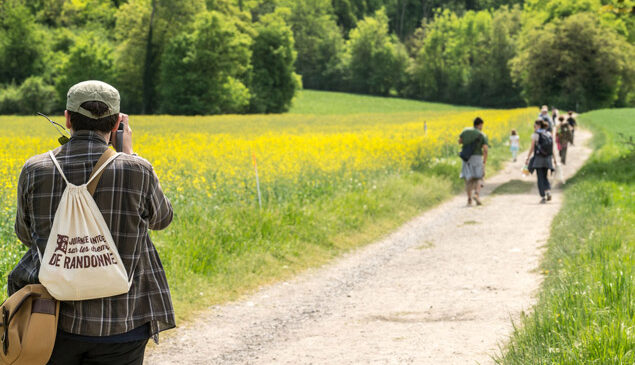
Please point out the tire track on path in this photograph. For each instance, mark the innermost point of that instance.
(442, 289)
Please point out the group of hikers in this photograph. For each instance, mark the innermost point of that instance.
(541, 157)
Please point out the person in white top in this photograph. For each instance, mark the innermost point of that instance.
(514, 144)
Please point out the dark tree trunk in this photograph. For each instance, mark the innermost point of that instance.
(425, 9)
(403, 15)
(148, 74)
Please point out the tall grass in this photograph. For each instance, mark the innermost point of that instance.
(586, 308)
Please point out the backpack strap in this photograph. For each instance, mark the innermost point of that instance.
(108, 156)
(57, 164)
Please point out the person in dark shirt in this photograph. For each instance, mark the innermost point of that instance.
(473, 170)
(573, 123)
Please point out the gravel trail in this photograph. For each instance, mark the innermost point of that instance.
(442, 289)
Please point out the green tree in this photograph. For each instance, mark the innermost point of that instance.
(90, 58)
(475, 37)
(376, 59)
(465, 59)
(89, 13)
(131, 34)
(405, 16)
(490, 82)
(439, 70)
(274, 81)
(318, 42)
(143, 30)
(575, 62)
(202, 70)
(344, 14)
(21, 45)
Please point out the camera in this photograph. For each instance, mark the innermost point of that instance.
(116, 138)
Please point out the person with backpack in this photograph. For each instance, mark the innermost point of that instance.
(543, 159)
(555, 113)
(572, 123)
(544, 115)
(116, 296)
(563, 138)
(474, 156)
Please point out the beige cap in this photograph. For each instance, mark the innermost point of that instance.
(92, 90)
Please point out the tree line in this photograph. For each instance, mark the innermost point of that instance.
(251, 56)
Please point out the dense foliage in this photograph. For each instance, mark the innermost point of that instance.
(240, 56)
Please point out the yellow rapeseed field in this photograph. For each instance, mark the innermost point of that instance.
(208, 162)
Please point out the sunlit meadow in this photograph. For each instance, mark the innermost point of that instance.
(321, 177)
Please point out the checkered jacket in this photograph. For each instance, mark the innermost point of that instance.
(131, 201)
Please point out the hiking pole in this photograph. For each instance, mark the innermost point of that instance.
(253, 155)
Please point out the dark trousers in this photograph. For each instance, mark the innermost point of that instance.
(72, 352)
(543, 181)
(563, 155)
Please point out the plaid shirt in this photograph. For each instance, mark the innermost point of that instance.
(131, 201)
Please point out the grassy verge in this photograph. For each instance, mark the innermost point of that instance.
(586, 308)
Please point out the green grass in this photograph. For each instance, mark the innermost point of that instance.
(586, 308)
(514, 187)
(328, 102)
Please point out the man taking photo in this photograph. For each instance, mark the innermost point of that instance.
(110, 330)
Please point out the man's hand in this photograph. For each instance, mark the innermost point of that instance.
(127, 135)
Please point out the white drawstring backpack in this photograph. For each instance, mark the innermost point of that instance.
(81, 260)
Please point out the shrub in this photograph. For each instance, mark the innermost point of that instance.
(34, 95)
(10, 100)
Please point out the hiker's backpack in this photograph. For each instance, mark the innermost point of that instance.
(565, 133)
(81, 260)
(549, 121)
(468, 149)
(571, 121)
(544, 147)
(28, 326)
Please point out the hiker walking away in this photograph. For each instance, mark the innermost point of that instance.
(554, 115)
(115, 329)
(474, 156)
(514, 144)
(563, 138)
(572, 123)
(543, 159)
(544, 115)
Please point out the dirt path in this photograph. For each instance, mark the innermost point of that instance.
(441, 290)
